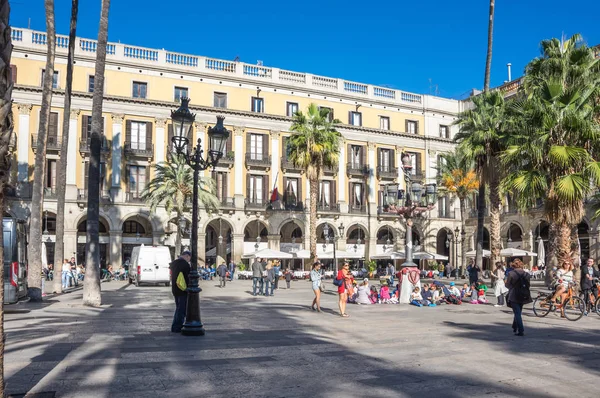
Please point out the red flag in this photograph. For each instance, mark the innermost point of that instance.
(275, 195)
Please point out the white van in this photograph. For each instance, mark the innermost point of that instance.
(150, 264)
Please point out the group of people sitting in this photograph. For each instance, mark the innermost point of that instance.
(365, 293)
(436, 293)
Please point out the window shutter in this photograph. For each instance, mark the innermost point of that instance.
(128, 132)
(284, 154)
(248, 187)
(149, 135)
(84, 124)
(418, 163)
(416, 127)
(248, 145)
(147, 178)
(351, 192)
(127, 178)
(406, 126)
(362, 155)
(265, 188)
(13, 71)
(392, 158)
(285, 191)
(299, 196)
(86, 175)
(332, 188)
(379, 157)
(363, 194)
(224, 185)
(53, 125)
(265, 146)
(349, 117)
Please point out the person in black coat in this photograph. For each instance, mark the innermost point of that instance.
(181, 265)
(518, 284)
(588, 273)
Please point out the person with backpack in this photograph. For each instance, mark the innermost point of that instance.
(180, 278)
(518, 283)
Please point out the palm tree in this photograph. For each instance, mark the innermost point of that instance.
(172, 187)
(34, 249)
(554, 143)
(6, 136)
(480, 141)
(91, 287)
(457, 178)
(488, 59)
(313, 146)
(61, 177)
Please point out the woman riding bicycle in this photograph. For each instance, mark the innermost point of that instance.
(564, 276)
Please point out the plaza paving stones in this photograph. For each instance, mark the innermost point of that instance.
(278, 347)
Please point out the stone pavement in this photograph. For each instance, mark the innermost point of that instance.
(278, 347)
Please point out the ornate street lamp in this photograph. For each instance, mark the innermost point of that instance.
(456, 245)
(183, 120)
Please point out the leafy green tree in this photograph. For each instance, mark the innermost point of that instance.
(481, 141)
(313, 146)
(554, 134)
(172, 188)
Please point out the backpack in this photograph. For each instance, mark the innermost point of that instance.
(521, 291)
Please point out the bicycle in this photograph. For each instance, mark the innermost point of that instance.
(571, 307)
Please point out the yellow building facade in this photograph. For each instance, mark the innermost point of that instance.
(142, 87)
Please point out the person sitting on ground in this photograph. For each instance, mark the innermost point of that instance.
(416, 298)
(481, 289)
(466, 291)
(454, 290)
(373, 295)
(385, 293)
(427, 295)
(437, 294)
(363, 292)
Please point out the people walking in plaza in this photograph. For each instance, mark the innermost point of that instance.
(518, 283)
(222, 272)
(257, 272)
(231, 270)
(180, 266)
(448, 270)
(588, 273)
(499, 287)
(288, 278)
(315, 278)
(346, 276)
(276, 269)
(269, 279)
(391, 271)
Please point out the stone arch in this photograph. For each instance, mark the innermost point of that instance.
(355, 232)
(386, 233)
(127, 225)
(291, 232)
(542, 230)
(252, 227)
(443, 241)
(277, 228)
(83, 216)
(333, 231)
(155, 223)
(514, 232)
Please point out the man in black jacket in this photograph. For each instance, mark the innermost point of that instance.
(588, 273)
(181, 265)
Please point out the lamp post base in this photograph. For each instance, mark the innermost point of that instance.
(409, 278)
(193, 325)
(193, 329)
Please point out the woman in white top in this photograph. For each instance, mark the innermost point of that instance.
(499, 286)
(315, 277)
(66, 274)
(564, 276)
(363, 292)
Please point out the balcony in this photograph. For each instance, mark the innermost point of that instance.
(357, 209)
(446, 214)
(282, 206)
(417, 176)
(255, 204)
(82, 197)
(227, 160)
(356, 170)
(258, 161)
(133, 197)
(227, 203)
(473, 213)
(84, 146)
(387, 172)
(328, 208)
(50, 193)
(287, 166)
(53, 143)
(135, 149)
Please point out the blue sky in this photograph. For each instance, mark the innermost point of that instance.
(394, 43)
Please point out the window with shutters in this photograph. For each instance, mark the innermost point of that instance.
(54, 78)
(180, 92)
(355, 119)
(357, 195)
(415, 159)
(51, 175)
(444, 131)
(291, 108)
(326, 198)
(412, 127)
(220, 178)
(384, 122)
(137, 181)
(256, 146)
(329, 115)
(444, 207)
(356, 156)
(53, 125)
(133, 227)
(90, 83)
(291, 193)
(140, 90)
(441, 162)
(137, 139)
(385, 159)
(220, 100)
(258, 104)
(87, 126)
(256, 192)
(86, 171)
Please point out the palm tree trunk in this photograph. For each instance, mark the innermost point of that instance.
(6, 134)
(575, 246)
(34, 249)
(488, 59)
(551, 255)
(480, 225)
(495, 243)
(91, 288)
(178, 237)
(314, 191)
(61, 177)
(463, 246)
(563, 247)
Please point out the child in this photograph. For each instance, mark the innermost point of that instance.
(385, 294)
(416, 298)
(465, 292)
(374, 297)
(481, 290)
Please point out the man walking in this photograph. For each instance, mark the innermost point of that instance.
(448, 270)
(222, 272)
(518, 283)
(257, 270)
(391, 270)
(180, 266)
(231, 270)
(588, 273)
(276, 269)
